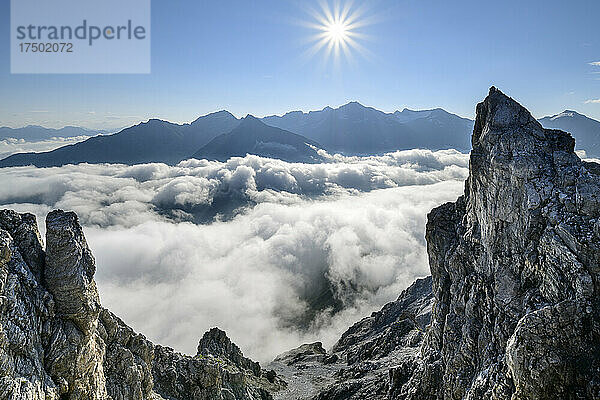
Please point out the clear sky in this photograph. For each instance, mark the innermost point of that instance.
(249, 56)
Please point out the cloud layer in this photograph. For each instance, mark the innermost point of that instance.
(200, 190)
(293, 252)
(11, 146)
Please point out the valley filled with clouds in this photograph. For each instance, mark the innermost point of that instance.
(275, 253)
(10, 146)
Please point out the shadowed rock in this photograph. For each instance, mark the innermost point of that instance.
(23, 228)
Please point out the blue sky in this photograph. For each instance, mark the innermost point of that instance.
(247, 57)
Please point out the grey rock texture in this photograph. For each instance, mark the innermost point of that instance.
(515, 265)
(23, 228)
(58, 343)
(512, 309)
(70, 268)
(306, 352)
(24, 306)
(215, 343)
(305, 371)
(358, 365)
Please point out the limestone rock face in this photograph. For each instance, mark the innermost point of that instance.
(58, 343)
(306, 352)
(70, 268)
(23, 228)
(359, 365)
(215, 343)
(129, 357)
(24, 306)
(515, 264)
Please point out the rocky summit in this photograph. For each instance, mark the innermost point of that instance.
(515, 264)
(57, 342)
(511, 310)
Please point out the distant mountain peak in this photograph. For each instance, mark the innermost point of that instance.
(252, 136)
(564, 114)
(353, 103)
(155, 140)
(250, 121)
(221, 114)
(585, 129)
(354, 128)
(155, 121)
(430, 110)
(354, 106)
(568, 113)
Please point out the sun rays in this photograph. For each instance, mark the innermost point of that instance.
(337, 33)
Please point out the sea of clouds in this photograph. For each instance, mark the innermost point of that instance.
(275, 253)
(10, 146)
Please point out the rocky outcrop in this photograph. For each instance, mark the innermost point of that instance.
(24, 306)
(515, 264)
(304, 353)
(215, 343)
(358, 365)
(57, 342)
(24, 231)
(512, 309)
(70, 269)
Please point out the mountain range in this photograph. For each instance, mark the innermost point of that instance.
(349, 129)
(252, 136)
(510, 311)
(585, 130)
(152, 141)
(356, 129)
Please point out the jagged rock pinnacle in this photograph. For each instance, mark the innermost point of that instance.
(514, 264)
(70, 269)
(215, 343)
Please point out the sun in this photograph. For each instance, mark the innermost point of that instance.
(337, 27)
(337, 31)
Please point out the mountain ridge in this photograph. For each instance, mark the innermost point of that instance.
(162, 141)
(252, 136)
(351, 128)
(357, 129)
(585, 129)
(34, 133)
